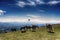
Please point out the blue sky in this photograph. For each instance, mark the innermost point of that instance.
(37, 10)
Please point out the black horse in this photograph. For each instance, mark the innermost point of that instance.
(13, 29)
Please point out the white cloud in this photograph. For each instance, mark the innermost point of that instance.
(53, 2)
(34, 19)
(32, 16)
(21, 3)
(2, 12)
(39, 2)
(29, 3)
(39, 19)
(36, 2)
(13, 19)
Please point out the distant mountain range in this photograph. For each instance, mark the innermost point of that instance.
(16, 24)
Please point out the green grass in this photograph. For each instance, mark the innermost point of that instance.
(40, 34)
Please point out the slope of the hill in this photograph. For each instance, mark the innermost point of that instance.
(40, 34)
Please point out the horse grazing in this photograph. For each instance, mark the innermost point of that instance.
(34, 28)
(13, 29)
(49, 28)
(23, 29)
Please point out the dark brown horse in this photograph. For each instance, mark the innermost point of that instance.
(49, 28)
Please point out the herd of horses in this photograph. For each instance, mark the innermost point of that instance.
(33, 28)
(25, 28)
(22, 29)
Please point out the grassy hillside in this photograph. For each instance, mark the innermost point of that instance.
(40, 34)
